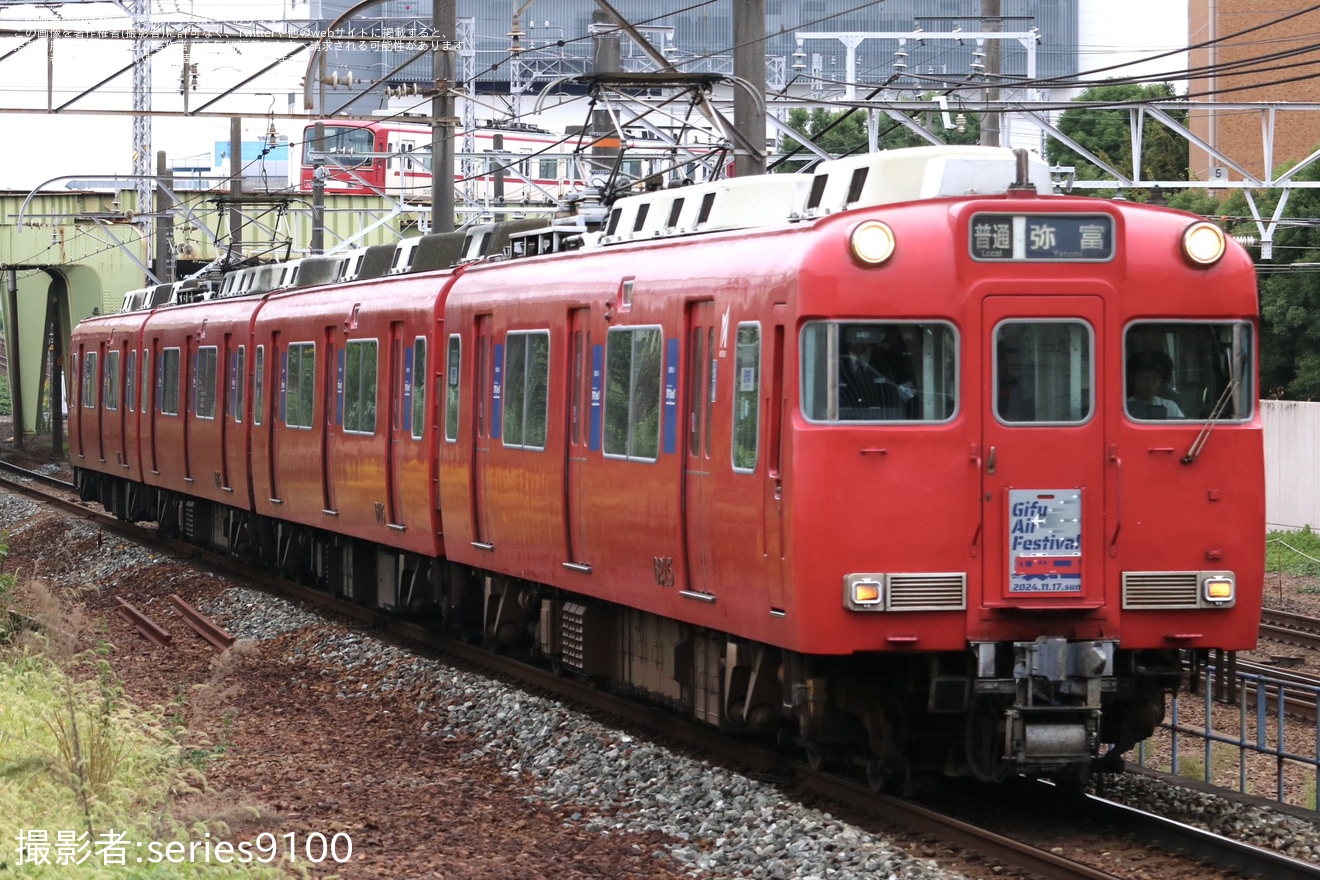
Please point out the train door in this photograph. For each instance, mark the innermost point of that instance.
(123, 388)
(397, 383)
(224, 389)
(1043, 456)
(698, 480)
(279, 385)
(772, 378)
(98, 379)
(485, 403)
(582, 367)
(187, 374)
(332, 384)
(151, 401)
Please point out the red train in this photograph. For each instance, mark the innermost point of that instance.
(539, 166)
(783, 452)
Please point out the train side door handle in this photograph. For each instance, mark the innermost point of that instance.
(990, 461)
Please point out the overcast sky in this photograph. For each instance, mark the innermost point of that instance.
(97, 146)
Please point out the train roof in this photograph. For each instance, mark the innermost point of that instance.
(836, 185)
(764, 201)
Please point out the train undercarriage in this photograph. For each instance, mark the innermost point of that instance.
(1051, 707)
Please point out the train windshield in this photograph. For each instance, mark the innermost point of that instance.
(868, 371)
(1186, 370)
(344, 144)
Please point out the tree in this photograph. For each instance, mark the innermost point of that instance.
(1108, 135)
(1289, 284)
(843, 133)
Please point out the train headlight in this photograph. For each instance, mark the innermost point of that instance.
(864, 592)
(1204, 243)
(1218, 590)
(872, 242)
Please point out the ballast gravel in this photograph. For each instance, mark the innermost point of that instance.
(726, 824)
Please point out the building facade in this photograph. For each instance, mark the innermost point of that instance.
(1253, 51)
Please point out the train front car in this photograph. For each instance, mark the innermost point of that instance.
(1025, 474)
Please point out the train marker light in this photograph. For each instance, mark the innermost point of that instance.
(867, 592)
(1204, 243)
(1218, 590)
(872, 242)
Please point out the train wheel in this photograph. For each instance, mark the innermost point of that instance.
(816, 759)
(887, 775)
(985, 742)
(1074, 777)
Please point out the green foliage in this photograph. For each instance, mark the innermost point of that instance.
(843, 133)
(86, 777)
(1293, 552)
(1289, 300)
(1107, 134)
(76, 758)
(6, 401)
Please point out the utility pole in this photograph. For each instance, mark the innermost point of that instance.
(164, 267)
(606, 57)
(444, 21)
(990, 21)
(14, 359)
(748, 103)
(235, 185)
(316, 244)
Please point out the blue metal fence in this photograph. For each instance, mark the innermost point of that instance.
(1262, 700)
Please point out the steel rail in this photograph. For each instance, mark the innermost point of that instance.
(148, 628)
(201, 624)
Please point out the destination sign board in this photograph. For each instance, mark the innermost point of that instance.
(1057, 238)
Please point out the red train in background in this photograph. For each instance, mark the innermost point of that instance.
(852, 456)
(537, 166)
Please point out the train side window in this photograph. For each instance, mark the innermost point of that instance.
(634, 367)
(879, 372)
(238, 382)
(526, 389)
(747, 398)
(258, 384)
(451, 388)
(419, 387)
(130, 376)
(89, 380)
(300, 387)
(168, 382)
(204, 379)
(110, 391)
(360, 361)
(1188, 370)
(1043, 372)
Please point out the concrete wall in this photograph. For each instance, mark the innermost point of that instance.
(1292, 463)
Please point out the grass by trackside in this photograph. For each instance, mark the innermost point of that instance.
(91, 786)
(1293, 552)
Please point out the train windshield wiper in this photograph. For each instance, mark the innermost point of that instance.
(1199, 443)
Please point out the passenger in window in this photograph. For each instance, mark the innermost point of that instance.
(1148, 372)
(861, 384)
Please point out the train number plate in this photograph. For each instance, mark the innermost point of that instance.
(1042, 238)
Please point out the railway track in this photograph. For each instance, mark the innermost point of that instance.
(854, 794)
(1295, 629)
